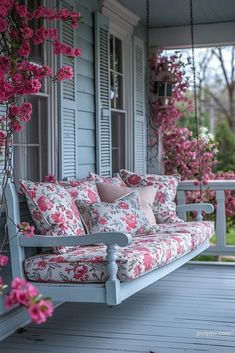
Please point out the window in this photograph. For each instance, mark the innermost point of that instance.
(30, 147)
(118, 112)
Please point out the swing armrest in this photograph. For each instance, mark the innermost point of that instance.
(108, 238)
(195, 207)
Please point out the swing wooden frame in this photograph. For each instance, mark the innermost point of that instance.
(111, 292)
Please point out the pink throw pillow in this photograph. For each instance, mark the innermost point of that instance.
(164, 207)
(53, 210)
(110, 193)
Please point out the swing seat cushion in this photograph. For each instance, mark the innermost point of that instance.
(144, 254)
(199, 231)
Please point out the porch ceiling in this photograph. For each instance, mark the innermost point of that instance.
(169, 21)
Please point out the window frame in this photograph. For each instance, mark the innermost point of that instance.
(121, 24)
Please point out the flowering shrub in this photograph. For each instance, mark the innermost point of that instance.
(19, 77)
(190, 158)
(184, 154)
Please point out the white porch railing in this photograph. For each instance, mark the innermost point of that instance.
(219, 186)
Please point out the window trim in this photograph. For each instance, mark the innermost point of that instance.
(121, 25)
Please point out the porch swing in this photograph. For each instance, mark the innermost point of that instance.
(113, 290)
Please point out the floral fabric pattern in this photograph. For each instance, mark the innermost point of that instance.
(53, 210)
(124, 215)
(199, 231)
(88, 264)
(84, 190)
(164, 207)
(116, 181)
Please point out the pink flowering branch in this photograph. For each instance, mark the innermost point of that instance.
(19, 78)
(26, 295)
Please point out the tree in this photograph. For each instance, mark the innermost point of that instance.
(226, 140)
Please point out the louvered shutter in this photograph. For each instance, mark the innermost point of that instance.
(140, 146)
(68, 109)
(103, 112)
(2, 148)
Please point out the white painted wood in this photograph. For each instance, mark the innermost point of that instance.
(219, 186)
(195, 207)
(211, 34)
(140, 138)
(103, 112)
(221, 219)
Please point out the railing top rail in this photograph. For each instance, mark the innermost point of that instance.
(187, 185)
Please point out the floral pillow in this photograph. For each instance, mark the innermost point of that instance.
(116, 181)
(124, 215)
(110, 193)
(53, 210)
(164, 207)
(84, 190)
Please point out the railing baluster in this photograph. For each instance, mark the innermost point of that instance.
(181, 199)
(220, 220)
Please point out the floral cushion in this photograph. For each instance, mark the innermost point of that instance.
(101, 179)
(124, 215)
(88, 264)
(53, 210)
(110, 193)
(199, 231)
(84, 190)
(164, 207)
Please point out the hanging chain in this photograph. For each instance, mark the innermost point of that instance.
(195, 94)
(194, 68)
(147, 78)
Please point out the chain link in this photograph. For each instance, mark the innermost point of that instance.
(195, 94)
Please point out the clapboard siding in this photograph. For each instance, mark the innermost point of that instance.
(190, 310)
(86, 138)
(85, 85)
(86, 91)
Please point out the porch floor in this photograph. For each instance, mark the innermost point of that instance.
(190, 310)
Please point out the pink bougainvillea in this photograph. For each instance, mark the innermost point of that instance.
(20, 77)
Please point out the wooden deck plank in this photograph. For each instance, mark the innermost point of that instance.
(190, 310)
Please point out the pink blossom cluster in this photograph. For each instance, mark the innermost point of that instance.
(18, 115)
(64, 73)
(19, 76)
(26, 229)
(50, 178)
(65, 49)
(3, 260)
(41, 12)
(5, 7)
(187, 156)
(25, 294)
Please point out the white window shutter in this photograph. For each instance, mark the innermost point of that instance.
(103, 112)
(140, 143)
(2, 148)
(68, 109)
